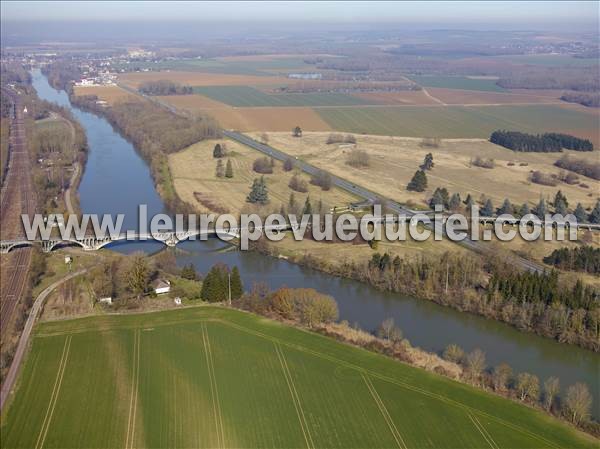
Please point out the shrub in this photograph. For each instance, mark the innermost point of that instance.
(340, 138)
(357, 158)
(288, 164)
(298, 184)
(544, 179)
(483, 163)
(263, 165)
(321, 179)
(580, 166)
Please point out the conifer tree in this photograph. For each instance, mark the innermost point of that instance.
(229, 169)
(506, 208)
(524, 210)
(237, 288)
(218, 151)
(258, 192)
(580, 213)
(595, 214)
(540, 209)
(307, 207)
(418, 183)
(428, 162)
(454, 202)
(220, 172)
(488, 209)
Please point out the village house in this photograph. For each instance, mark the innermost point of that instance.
(162, 286)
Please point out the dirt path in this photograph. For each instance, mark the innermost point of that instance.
(437, 100)
(68, 203)
(24, 340)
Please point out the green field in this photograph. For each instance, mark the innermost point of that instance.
(458, 82)
(213, 377)
(460, 121)
(244, 96)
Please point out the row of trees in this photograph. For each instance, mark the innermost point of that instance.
(590, 99)
(591, 169)
(453, 202)
(581, 258)
(164, 87)
(462, 282)
(544, 143)
(576, 405)
(545, 288)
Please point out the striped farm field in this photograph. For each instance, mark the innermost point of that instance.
(215, 377)
(457, 82)
(461, 121)
(244, 96)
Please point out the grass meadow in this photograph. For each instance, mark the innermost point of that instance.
(215, 377)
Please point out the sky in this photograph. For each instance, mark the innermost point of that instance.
(518, 12)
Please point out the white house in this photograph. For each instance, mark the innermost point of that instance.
(162, 286)
(107, 300)
(177, 301)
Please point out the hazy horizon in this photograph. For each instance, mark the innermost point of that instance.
(459, 13)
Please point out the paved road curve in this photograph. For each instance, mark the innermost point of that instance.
(11, 376)
(361, 192)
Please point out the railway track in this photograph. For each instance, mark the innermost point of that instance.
(17, 197)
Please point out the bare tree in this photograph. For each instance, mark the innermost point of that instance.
(528, 386)
(578, 403)
(454, 353)
(551, 389)
(501, 376)
(475, 364)
(385, 328)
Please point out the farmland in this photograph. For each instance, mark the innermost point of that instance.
(461, 122)
(394, 160)
(458, 82)
(244, 96)
(200, 377)
(201, 79)
(474, 97)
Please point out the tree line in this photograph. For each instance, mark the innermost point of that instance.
(164, 87)
(463, 282)
(581, 258)
(580, 166)
(155, 132)
(540, 143)
(575, 405)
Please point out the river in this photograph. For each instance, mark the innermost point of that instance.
(116, 179)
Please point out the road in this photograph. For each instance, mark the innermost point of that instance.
(17, 197)
(361, 192)
(9, 381)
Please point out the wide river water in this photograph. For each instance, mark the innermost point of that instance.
(116, 180)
